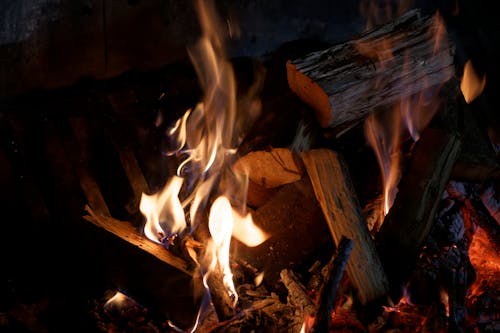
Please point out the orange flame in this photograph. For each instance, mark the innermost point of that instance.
(417, 106)
(472, 85)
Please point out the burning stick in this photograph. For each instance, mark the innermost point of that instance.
(341, 209)
(347, 81)
(128, 233)
(410, 219)
(327, 294)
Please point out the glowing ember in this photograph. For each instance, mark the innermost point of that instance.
(472, 85)
(486, 262)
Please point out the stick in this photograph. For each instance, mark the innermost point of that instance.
(328, 293)
(128, 233)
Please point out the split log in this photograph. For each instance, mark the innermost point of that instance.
(328, 293)
(293, 219)
(347, 81)
(337, 198)
(410, 219)
(128, 233)
(268, 170)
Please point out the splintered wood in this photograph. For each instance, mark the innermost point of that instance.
(338, 200)
(398, 59)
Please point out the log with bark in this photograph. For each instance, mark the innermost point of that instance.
(337, 198)
(411, 217)
(398, 59)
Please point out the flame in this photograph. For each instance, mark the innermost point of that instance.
(384, 131)
(443, 295)
(163, 211)
(245, 230)
(206, 137)
(118, 299)
(385, 143)
(220, 224)
(472, 85)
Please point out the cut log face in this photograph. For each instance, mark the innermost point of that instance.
(272, 168)
(337, 198)
(395, 60)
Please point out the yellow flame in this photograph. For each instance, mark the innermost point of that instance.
(116, 300)
(163, 211)
(472, 85)
(245, 230)
(385, 141)
(220, 224)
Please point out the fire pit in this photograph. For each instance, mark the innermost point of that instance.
(316, 185)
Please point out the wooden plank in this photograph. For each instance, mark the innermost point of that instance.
(338, 200)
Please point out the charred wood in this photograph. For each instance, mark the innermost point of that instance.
(411, 217)
(328, 293)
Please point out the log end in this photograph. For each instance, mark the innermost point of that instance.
(310, 92)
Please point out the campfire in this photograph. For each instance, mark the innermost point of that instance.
(332, 188)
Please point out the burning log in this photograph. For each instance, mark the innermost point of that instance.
(328, 293)
(338, 201)
(410, 219)
(344, 83)
(128, 233)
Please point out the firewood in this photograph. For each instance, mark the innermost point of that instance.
(297, 294)
(270, 169)
(337, 198)
(328, 293)
(293, 219)
(126, 231)
(409, 221)
(344, 82)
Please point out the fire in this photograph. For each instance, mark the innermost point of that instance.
(385, 130)
(162, 207)
(486, 262)
(206, 136)
(472, 85)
